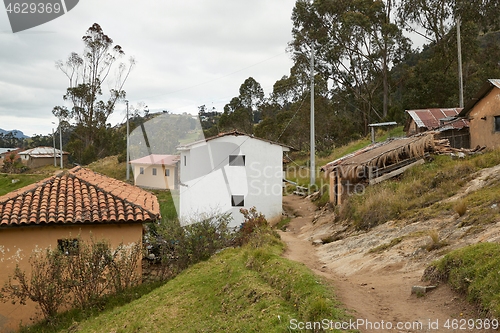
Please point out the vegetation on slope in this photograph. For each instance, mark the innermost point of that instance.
(473, 271)
(419, 191)
(239, 290)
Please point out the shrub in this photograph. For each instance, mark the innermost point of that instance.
(460, 207)
(81, 278)
(46, 285)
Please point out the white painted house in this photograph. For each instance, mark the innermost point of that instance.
(228, 172)
(156, 171)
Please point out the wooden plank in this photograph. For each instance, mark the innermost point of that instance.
(331, 188)
(340, 190)
(395, 172)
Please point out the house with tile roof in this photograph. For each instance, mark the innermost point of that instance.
(483, 114)
(41, 156)
(228, 172)
(156, 171)
(443, 120)
(77, 203)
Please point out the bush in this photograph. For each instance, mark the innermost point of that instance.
(80, 277)
(175, 247)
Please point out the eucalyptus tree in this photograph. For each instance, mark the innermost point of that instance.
(355, 43)
(89, 109)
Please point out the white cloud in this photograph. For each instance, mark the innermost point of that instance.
(188, 53)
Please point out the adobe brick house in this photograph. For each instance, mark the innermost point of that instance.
(74, 203)
(483, 114)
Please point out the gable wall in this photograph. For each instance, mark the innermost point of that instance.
(482, 131)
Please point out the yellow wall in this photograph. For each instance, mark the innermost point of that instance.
(18, 243)
(160, 181)
(482, 131)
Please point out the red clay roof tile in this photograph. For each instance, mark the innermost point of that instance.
(78, 195)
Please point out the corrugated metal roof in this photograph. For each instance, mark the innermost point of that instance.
(430, 118)
(6, 150)
(157, 159)
(42, 151)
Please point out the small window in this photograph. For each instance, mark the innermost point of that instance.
(68, 246)
(237, 200)
(154, 171)
(184, 160)
(237, 160)
(167, 172)
(141, 170)
(497, 123)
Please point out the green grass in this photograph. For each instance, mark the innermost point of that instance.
(166, 201)
(418, 192)
(473, 271)
(109, 166)
(239, 290)
(6, 184)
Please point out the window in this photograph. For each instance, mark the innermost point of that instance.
(497, 123)
(68, 246)
(184, 160)
(237, 160)
(167, 172)
(141, 170)
(154, 171)
(237, 200)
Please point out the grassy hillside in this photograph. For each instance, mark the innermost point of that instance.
(238, 290)
(7, 185)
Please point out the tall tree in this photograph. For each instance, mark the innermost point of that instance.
(355, 44)
(90, 110)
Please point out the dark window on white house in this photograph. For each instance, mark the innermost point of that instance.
(167, 172)
(237, 200)
(154, 171)
(237, 160)
(185, 160)
(497, 123)
(141, 170)
(68, 246)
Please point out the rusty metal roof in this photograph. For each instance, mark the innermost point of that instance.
(78, 196)
(430, 118)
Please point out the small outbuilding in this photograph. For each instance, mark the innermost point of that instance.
(41, 156)
(443, 120)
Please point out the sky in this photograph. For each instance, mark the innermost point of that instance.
(188, 53)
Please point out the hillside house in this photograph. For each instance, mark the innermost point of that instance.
(445, 121)
(228, 172)
(41, 156)
(483, 114)
(75, 203)
(156, 171)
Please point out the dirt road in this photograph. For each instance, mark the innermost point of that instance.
(375, 288)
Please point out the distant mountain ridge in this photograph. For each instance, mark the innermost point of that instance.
(17, 133)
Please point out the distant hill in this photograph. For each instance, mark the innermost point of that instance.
(17, 133)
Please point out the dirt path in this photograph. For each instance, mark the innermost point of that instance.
(374, 288)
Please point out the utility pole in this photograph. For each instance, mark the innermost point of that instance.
(312, 169)
(60, 143)
(54, 144)
(128, 141)
(460, 79)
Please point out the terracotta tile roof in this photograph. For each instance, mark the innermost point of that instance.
(78, 195)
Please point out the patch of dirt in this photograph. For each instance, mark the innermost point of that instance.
(376, 286)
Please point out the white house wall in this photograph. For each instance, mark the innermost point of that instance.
(208, 181)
